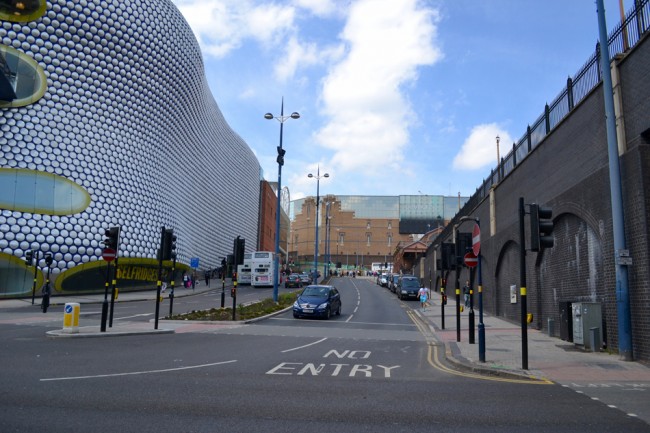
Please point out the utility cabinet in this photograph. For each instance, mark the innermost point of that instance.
(587, 319)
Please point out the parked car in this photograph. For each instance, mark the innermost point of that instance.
(293, 280)
(317, 301)
(392, 282)
(305, 278)
(408, 286)
(383, 281)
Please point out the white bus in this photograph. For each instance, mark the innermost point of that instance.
(262, 268)
(244, 274)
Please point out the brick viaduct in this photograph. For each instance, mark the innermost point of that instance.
(568, 170)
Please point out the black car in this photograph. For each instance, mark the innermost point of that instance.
(293, 280)
(408, 287)
(317, 301)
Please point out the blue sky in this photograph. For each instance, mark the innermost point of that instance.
(395, 96)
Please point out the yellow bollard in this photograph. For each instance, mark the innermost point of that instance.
(71, 318)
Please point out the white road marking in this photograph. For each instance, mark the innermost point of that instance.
(306, 345)
(136, 315)
(136, 372)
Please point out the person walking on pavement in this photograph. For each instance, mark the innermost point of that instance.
(466, 291)
(423, 295)
(207, 278)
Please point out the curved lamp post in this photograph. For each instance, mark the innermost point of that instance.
(280, 159)
(318, 177)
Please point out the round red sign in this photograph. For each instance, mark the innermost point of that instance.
(476, 240)
(470, 260)
(109, 254)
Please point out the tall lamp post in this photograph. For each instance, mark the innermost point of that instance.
(326, 266)
(280, 159)
(318, 177)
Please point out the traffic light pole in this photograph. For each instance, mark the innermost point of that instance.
(457, 283)
(102, 326)
(171, 283)
(471, 327)
(522, 277)
(113, 293)
(481, 325)
(159, 282)
(35, 256)
(443, 296)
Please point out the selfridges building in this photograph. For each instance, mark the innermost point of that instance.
(107, 120)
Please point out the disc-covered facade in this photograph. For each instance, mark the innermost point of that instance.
(123, 132)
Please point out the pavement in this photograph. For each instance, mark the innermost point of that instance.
(548, 357)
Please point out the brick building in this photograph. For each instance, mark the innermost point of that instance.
(361, 230)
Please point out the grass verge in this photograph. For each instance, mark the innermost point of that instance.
(242, 312)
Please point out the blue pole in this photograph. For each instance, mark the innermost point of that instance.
(622, 292)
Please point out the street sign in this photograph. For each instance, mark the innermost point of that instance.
(109, 254)
(476, 240)
(194, 262)
(470, 260)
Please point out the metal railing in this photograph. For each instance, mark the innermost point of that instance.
(624, 36)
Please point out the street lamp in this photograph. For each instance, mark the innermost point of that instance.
(328, 256)
(280, 159)
(498, 154)
(318, 178)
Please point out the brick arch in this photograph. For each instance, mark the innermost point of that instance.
(571, 271)
(506, 273)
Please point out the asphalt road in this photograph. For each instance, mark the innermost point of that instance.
(374, 369)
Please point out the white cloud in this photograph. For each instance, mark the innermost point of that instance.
(365, 94)
(222, 26)
(305, 54)
(320, 8)
(480, 148)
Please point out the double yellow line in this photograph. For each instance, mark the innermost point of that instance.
(433, 357)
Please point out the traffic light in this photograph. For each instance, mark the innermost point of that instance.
(448, 258)
(280, 158)
(541, 227)
(112, 237)
(239, 245)
(169, 245)
(29, 257)
(48, 259)
(464, 245)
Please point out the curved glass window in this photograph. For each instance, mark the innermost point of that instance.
(22, 10)
(40, 192)
(22, 80)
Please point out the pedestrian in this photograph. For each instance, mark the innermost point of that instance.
(186, 280)
(423, 294)
(45, 302)
(466, 290)
(207, 278)
(193, 280)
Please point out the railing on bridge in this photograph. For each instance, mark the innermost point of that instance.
(624, 36)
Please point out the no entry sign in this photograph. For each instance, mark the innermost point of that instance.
(470, 260)
(109, 254)
(476, 240)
